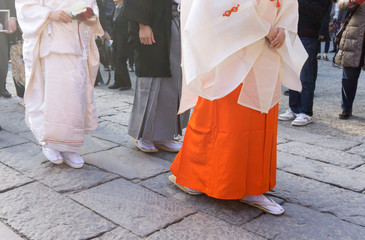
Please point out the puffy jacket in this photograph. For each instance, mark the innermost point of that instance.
(352, 41)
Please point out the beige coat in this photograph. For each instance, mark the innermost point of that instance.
(351, 44)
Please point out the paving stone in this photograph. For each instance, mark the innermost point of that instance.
(93, 145)
(39, 213)
(28, 136)
(361, 168)
(9, 105)
(8, 139)
(112, 132)
(118, 234)
(10, 178)
(315, 139)
(321, 197)
(120, 118)
(133, 207)
(129, 163)
(13, 122)
(60, 177)
(202, 226)
(65, 179)
(7, 234)
(332, 156)
(349, 179)
(303, 223)
(233, 212)
(359, 150)
(24, 158)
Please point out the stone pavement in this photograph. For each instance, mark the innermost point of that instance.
(122, 193)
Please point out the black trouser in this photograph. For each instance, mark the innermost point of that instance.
(350, 78)
(121, 51)
(4, 60)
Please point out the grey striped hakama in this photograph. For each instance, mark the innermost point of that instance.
(156, 100)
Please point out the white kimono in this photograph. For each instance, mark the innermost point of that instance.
(221, 52)
(61, 62)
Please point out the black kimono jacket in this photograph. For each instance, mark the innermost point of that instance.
(151, 60)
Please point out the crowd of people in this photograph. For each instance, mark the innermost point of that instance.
(184, 58)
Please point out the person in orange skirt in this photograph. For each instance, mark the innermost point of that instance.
(229, 148)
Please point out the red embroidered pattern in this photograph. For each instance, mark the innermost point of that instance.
(277, 3)
(229, 12)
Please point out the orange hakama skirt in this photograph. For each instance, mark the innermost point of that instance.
(229, 151)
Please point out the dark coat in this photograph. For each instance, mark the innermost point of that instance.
(8, 5)
(120, 26)
(311, 13)
(153, 60)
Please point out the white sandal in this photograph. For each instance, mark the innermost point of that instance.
(270, 207)
(190, 191)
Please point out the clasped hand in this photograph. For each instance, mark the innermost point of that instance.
(11, 26)
(62, 16)
(276, 36)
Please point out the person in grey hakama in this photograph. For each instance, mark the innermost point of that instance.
(154, 121)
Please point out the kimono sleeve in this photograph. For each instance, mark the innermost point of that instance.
(32, 16)
(138, 11)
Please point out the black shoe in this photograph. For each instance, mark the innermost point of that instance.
(345, 114)
(131, 69)
(286, 92)
(124, 88)
(114, 86)
(6, 94)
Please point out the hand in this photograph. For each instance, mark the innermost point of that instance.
(146, 35)
(320, 37)
(272, 33)
(279, 39)
(60, 16)
(91, 21)
(357, 1)
(106, 36)
(11, 26)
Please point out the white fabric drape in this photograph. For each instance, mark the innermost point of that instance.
(220, 52)
(43, 38)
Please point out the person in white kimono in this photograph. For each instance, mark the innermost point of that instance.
(61, 62)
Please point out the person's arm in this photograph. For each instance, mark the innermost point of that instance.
(12, 21)
(139, 11)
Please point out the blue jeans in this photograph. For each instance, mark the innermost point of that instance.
(350, 78)
(303, 102)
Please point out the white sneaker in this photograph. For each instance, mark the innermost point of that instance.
(73, 159)
(53, 156)
(169, 146)
(288, 115)
(302, 119)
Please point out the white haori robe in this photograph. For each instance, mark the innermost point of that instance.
(61, 62)
(221, 52)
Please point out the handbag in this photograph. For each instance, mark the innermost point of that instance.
(343, 27)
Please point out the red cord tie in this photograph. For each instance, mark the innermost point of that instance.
(277, 3)
(229, 12)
